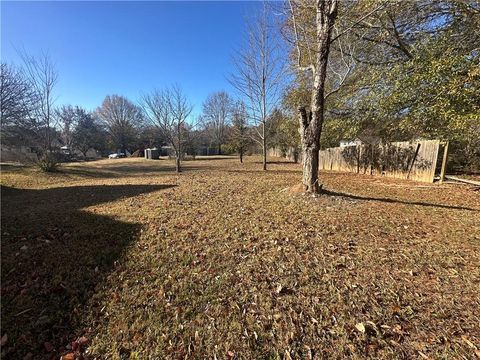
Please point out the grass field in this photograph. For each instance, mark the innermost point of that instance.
(224, 261)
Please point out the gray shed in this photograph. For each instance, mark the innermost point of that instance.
(152, 154)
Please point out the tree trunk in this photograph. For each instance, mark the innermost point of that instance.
(310, 169)
(310, 136)
(219, 149)
(177, 164)
(264, 146)
(311, 122)
(241, 156)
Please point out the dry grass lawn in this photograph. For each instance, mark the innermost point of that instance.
(126, 259)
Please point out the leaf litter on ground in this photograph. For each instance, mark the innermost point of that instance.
(219, 262)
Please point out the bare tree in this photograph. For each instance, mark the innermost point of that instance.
(17, 99)
(121, 118)
(42, 77)
(169, 109)
(259, 75)
(216, 116)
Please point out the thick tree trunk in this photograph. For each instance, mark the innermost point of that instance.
(311, 122)
(219, 149)
(241, 156)
(310, 135)
(310, 170)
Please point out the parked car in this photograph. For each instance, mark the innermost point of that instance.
(116, 156)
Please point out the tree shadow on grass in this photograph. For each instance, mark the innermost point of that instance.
(394, 201)
(53, 256)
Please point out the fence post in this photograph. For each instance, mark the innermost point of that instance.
(444, 163)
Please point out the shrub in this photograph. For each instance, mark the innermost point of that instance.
(48, 162)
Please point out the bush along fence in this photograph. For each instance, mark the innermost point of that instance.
(404, 160)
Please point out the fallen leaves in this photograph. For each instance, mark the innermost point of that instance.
(227, 265)
(360, 327)
(68, 356)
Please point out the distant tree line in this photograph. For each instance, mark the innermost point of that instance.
(29, 117)
(324, 71)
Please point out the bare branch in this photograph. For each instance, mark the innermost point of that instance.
(169, 110)
(259, 75)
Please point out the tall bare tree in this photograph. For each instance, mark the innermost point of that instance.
(42, 77)
(258, 77)
(216, 116)
(121, 118)
(169, 110)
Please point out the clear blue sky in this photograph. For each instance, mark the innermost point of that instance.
(128, 48)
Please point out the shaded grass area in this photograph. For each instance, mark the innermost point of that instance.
(53, 256)
(221, 261)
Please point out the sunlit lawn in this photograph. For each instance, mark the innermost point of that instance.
(224, 261)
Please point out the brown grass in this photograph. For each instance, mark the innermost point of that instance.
(220, 261)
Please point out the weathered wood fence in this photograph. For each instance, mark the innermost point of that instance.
(405, 160)
(415, 160)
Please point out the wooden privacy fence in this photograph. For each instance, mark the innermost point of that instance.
(405, 160)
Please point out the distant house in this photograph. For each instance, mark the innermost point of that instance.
(346, 142)
(361, 140)
(151, 154)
